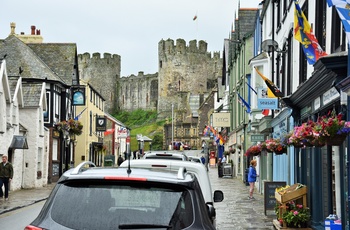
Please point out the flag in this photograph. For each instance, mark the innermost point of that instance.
(195, 18)
(275, 91)
(252, 89)
(244, 103)
(265, 112)
(343, 8)
(79, 115)
(108, 131)
(303, 33)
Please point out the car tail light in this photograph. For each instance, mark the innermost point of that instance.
(125, 178)
(30, 227)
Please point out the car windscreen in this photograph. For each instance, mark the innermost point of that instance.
(112, 206)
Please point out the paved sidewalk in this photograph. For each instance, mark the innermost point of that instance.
(235, 212)
(24, 197)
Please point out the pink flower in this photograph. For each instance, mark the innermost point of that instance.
(295, 213)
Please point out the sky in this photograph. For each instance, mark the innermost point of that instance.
(129, 28)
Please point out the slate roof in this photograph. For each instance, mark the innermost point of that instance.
(18, 54)
(32, 92)
(60, 57)
(13, 83)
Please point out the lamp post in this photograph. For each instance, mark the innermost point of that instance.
(172, 126)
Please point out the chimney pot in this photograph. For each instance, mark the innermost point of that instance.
(33, 30)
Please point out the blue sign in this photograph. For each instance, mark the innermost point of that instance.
(267, 103)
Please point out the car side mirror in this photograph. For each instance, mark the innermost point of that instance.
(211, 211)
(218, 196)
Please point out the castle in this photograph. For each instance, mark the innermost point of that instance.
(186, 75)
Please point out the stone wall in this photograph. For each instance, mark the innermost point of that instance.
(102, 74)
(138, 92)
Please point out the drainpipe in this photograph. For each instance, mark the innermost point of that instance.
(348, 147)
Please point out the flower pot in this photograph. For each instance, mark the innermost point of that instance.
(336, 140)
(280, 152)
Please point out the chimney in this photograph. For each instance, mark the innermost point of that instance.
(37, 32)
(33, 30)
(13, 27)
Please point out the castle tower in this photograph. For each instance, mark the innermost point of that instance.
(184, 71)
(102, 75)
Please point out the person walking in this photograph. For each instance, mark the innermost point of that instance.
(6, 175)
(252, 175)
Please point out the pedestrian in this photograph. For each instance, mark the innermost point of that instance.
(223, 161)
(203, 159)
(120, 160)
(6, 175)
(252, 175)
(134, 154)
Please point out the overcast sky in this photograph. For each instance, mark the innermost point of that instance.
(129, 28)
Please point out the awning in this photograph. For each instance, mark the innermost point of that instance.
(144, 139)
(19, 142)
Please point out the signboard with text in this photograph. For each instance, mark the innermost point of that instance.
(221, 120)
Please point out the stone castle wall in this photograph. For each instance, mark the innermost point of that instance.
(138, 92)
(102, 74)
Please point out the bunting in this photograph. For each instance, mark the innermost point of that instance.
(303, 33)
(274, 89)
(108, 132)
(343, 8)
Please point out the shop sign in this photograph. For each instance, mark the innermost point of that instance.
(330, 95)
(267, 103)
(317, 103)
(257, 137)
(221, 120)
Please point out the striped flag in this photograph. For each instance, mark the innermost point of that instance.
(274, 89)
(343, 8)
(303, 33)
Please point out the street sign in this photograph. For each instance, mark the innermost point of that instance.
(257, 137)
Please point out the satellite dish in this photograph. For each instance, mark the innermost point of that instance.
(269, 45)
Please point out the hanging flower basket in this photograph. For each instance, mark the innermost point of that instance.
(281, 151)
(253, 150)
(73, 127)
(336, 140)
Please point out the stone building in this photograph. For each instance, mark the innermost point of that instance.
(102, 74)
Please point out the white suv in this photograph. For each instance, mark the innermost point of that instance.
(198, 170)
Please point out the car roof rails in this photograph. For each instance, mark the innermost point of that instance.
(82, 167)
(181, 173)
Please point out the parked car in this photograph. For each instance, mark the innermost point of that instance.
(125, 198)
(166, 155)
(194, 159)
(199, 170)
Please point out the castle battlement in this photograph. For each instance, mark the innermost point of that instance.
(140, 75)
(107, 57)
(169, 48)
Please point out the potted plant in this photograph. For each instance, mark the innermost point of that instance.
(73, 127)
(276, 146)
(253, 150)
(296, 215)
(332, 128)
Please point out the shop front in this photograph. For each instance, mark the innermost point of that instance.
(321, 168)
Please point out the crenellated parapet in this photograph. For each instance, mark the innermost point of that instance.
(107, 58)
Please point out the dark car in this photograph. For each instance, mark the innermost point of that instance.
(166, 155)
(125, 198)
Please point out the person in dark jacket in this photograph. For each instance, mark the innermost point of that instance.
(120, 160)
(252, 178)
(6, 175)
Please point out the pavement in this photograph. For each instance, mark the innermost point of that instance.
(236, 211)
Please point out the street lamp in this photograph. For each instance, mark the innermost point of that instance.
(172, 126)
